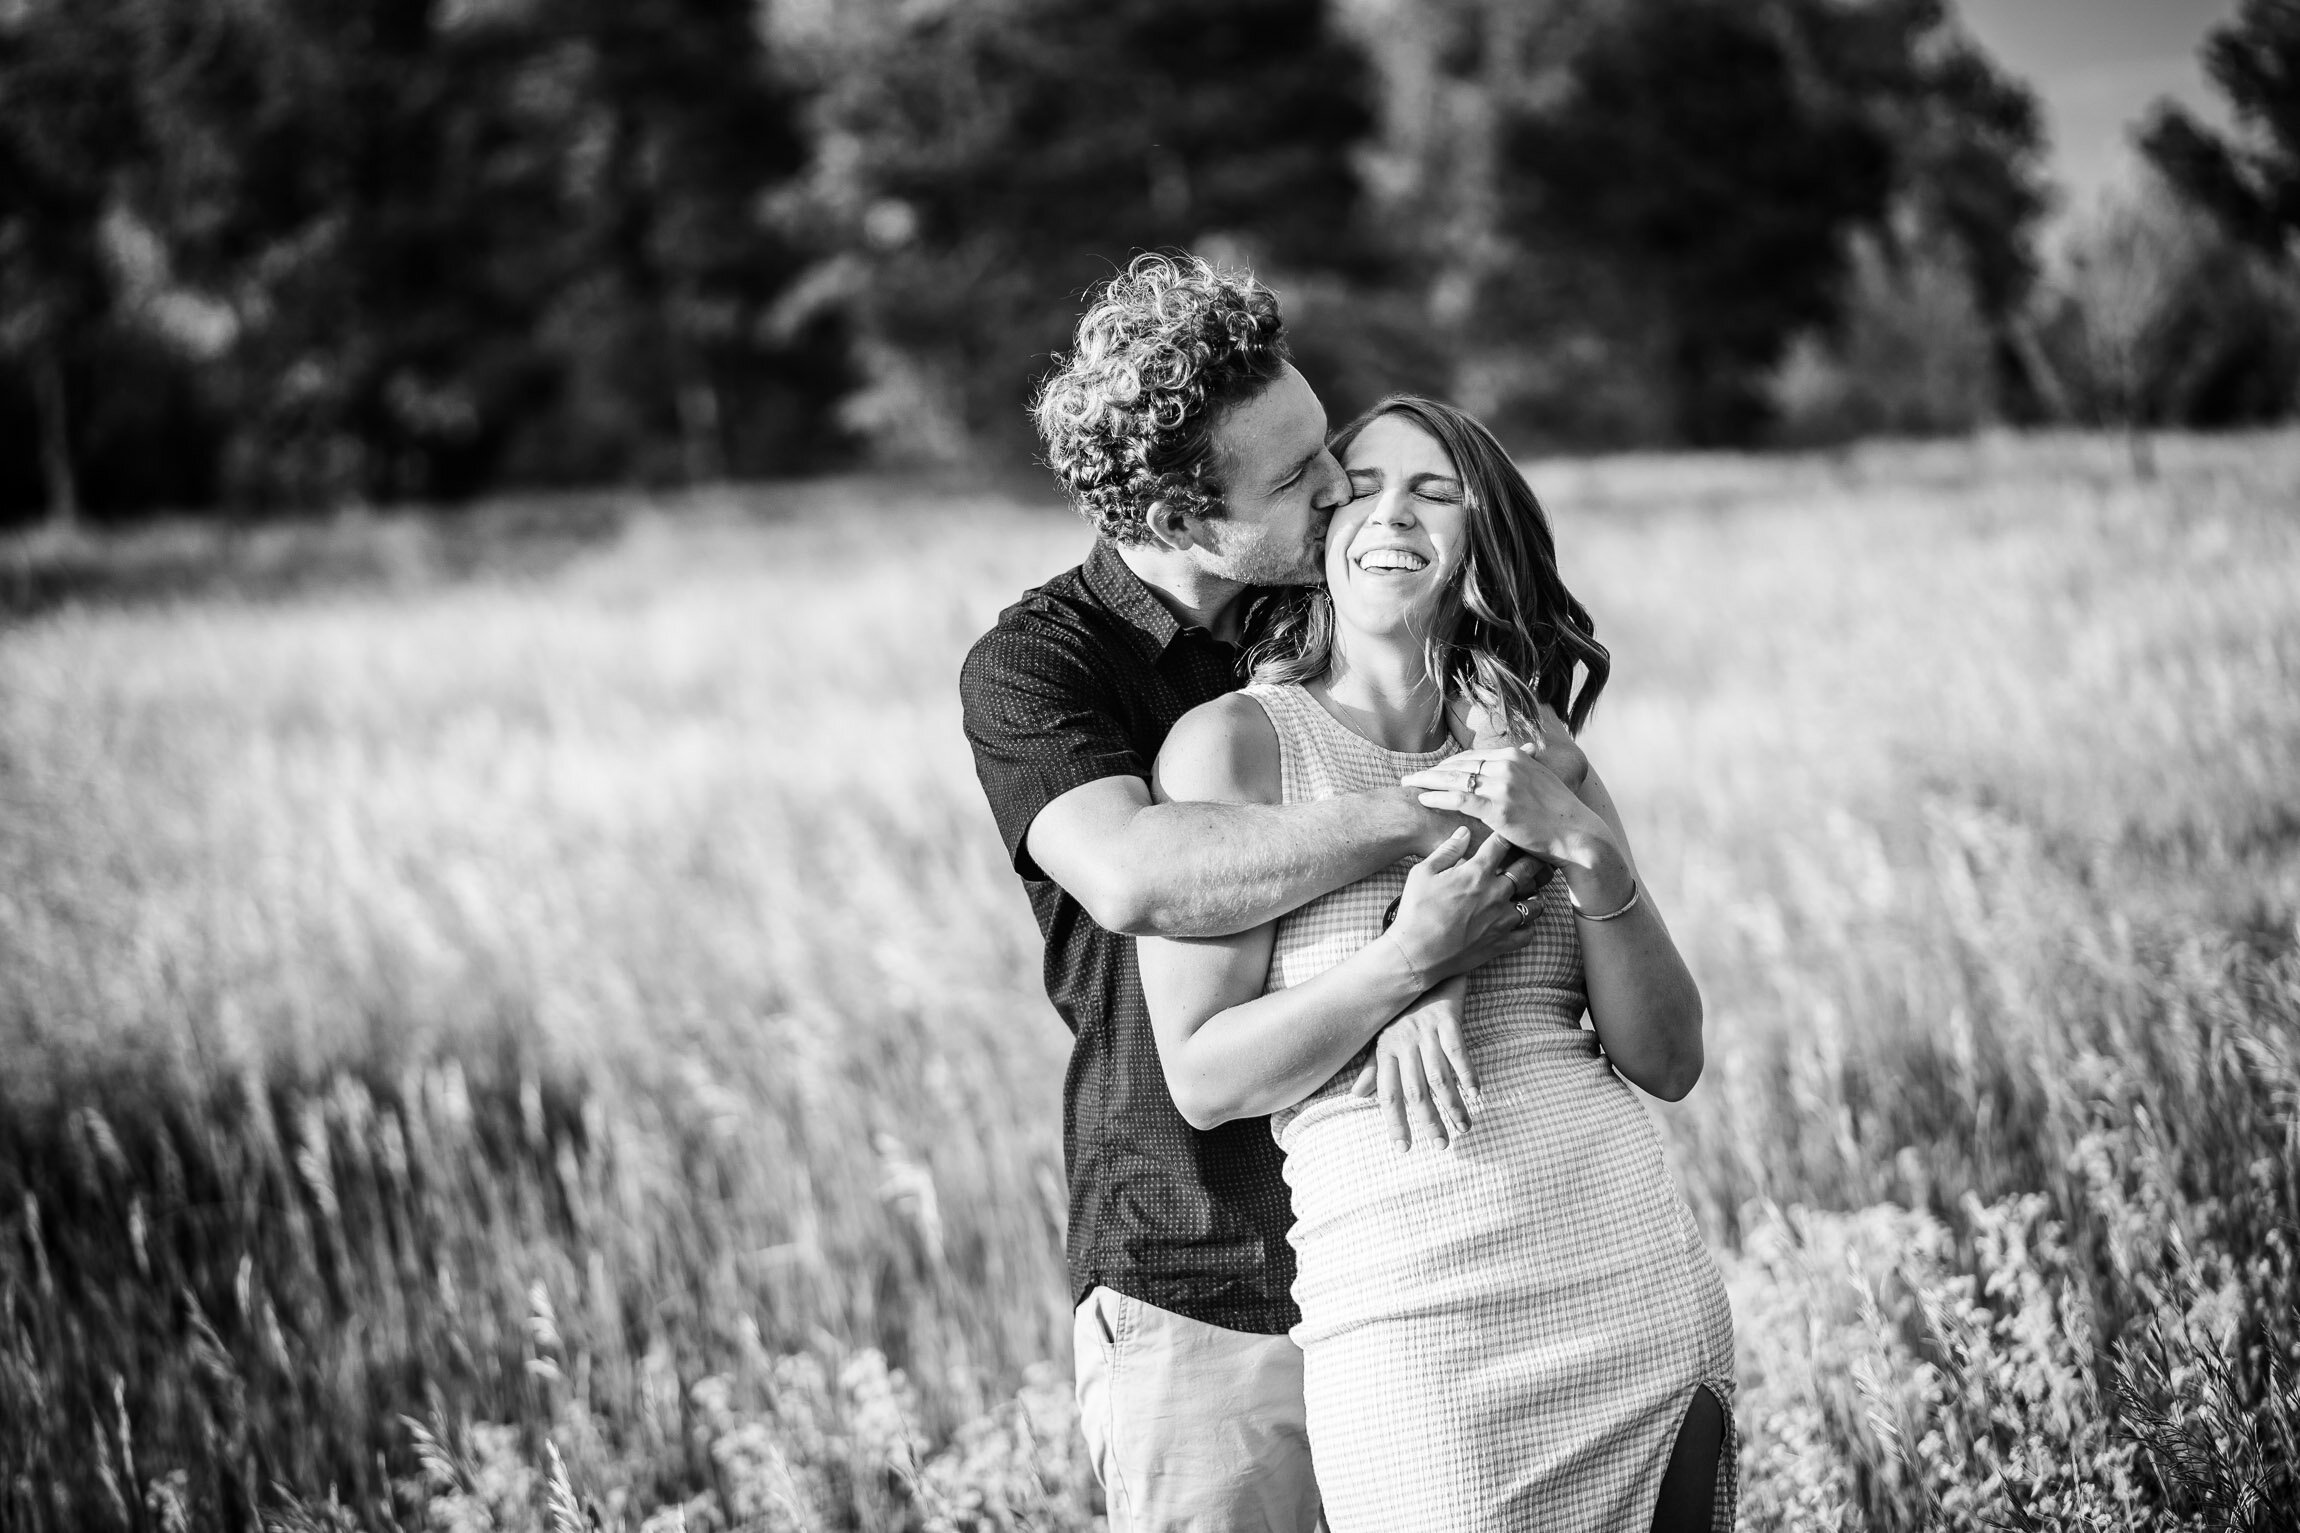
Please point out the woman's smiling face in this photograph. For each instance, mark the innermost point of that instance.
(1404, 532)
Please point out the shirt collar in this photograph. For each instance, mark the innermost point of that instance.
(1149, 623)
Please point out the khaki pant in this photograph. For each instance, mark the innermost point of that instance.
(1192, 1428)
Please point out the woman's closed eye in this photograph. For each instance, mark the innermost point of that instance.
(1364, 482)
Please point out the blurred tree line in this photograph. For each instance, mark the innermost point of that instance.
(2180, 302)
(294, 253)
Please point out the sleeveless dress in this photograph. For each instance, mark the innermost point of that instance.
(1505, 1334)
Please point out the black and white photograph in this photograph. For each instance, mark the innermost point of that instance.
(1150, 766)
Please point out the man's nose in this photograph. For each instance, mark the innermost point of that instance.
(1334, 487)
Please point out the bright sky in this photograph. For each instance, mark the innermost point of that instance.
(2098, 65)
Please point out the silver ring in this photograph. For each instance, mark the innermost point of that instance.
(1524, 908)
(1476, 774)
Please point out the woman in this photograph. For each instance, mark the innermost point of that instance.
(1524, 1331)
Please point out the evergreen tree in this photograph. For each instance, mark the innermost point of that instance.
(530, 248)
(430, 248)
(1691, 168)
(1687, 203)
(676, 364)
(1967, 139)
(2251, 180)
(990, 162)
(65, 124)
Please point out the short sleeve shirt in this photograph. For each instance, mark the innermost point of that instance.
(1081, 680)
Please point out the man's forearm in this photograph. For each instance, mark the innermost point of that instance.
(1209, 870)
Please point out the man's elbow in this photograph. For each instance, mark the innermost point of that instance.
(1203, 1109)
(1133, 904)
(1205, 1121)
(1122, 904)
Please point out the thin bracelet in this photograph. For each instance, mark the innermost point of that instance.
(1636, 893)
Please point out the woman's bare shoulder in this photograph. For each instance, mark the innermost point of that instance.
(1223, 752)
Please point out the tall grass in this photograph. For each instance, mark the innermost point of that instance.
(489, 1046)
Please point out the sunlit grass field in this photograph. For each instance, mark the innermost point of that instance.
(507, 1029)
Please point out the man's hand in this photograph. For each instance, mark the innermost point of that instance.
(1421, 1069)
(1460, 910)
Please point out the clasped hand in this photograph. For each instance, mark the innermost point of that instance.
(1460, 909)
(1526, 795)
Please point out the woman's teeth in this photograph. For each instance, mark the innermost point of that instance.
(1393, 559)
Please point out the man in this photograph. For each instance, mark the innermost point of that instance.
(1179, 427)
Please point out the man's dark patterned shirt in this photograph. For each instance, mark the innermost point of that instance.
(1078, 681)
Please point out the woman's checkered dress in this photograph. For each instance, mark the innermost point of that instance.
(1505, 1334)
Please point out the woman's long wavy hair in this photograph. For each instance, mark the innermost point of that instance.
(1505, 631)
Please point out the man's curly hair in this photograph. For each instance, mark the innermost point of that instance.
(1128, 415)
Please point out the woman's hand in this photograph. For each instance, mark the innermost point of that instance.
(1642, 1000)
(1514, 791)
(1457, 911)
(1557, 750)
(1421, 1067)
(1518, 794)
(1552, 742)
(1468, 719)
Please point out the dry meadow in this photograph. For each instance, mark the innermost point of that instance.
(515, 1028)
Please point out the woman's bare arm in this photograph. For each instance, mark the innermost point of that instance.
(1642, 999)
